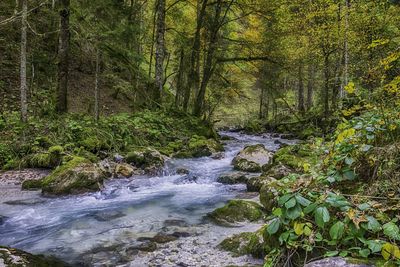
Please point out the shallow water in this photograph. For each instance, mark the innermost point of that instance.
(96, 229)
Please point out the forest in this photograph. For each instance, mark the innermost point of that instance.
(200, 133)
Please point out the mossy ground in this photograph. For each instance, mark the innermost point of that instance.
(237, 211)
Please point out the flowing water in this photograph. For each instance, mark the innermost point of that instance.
(102, 229)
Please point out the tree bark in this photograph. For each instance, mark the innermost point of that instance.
(346, 49)
(194, 73)
(310, 86)
(326, 85)
(63, 57)
(160, 52)
(96, 87)
(180, 79)
(24, 87)
(301, 90)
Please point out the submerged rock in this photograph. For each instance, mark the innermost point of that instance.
(149, 160)
(252, 158)
(237, 211)
(232, 178)
(105, 216)
(17, 258)
(269, 194)
(245, 244)
(182, 171)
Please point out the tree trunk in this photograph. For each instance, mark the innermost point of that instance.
(180, 79)
(346, 49)
(208, 65)
(261, 111)
(310, 86)
(326, 85)
(301, 90)
(63, 57)
(160, 52)
(96, 87)
(194, 73)
(24, 87)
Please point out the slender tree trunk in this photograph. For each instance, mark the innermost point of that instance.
(96, 87)
(208, 65)
(346, 48)
(310, 86)
(63, 54)
(180, 78)
(24, 87)
(152, 39)
(160, 52)
(326, 85)
(301, 90)
(194, 73)
(261, 111)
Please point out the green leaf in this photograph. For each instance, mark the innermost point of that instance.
(364, 206)
(282, 200)
(331, 253)
(337, 230)
(391, 230)
(349, 175)
(310, 208)
(290, 203)
(294, 213)
(273, 226)
(364, 253)
(373, 224)
(302, 201)
(321, 216)
(366, 148)
(349, 161)
(344, 254)
(277, 212)
(374, 245)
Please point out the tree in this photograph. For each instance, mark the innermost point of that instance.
(23, 85)
(63, 57)
(160, 52)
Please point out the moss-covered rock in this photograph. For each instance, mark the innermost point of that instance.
(237, 211)
(50, 159)
(12, 257)
(252, 158)
(232, 178)
(124, 170)
(149, 160)
(254, 184)
(32, 184)
(245, 244)
(277, 171)
(269, 194)
(287, 156)
(75, 176)
(199, 146)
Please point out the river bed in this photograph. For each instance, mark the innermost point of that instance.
(106, 228)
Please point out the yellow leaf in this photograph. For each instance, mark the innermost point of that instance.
(350, 88)
(299, 228)
(306, 167)
(307, 231)
(390, 251)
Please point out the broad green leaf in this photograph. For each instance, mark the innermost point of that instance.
(282, 200)
(349, 175)
(364, 253)
(349, 161)
(373, 224)
(321, 216)
(277, 212)
(273, 226)
(364, 206)
(294, 213)
(310, 208)
(391, 230)
(302, 201)
(307, 231)
(290, 203)
(374, 245)
(337, 230)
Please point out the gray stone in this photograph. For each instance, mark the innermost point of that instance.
(336, 262)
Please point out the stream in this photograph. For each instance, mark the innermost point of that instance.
(108, 228)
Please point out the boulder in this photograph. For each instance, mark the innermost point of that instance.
(269, 194)
(199, 146)
(76, 176)
(124, 170)
(338, 262)
(182, 171)
(277, 171)
(237, 211)
(149, 160)
(252, 158)
(232, 178)
(254, 184)
(16, 257)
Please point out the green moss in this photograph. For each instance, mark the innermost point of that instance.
(82, 152)
(237, 211)
(8, 255)
(32, 184)
(287, 156)
(244, 244)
